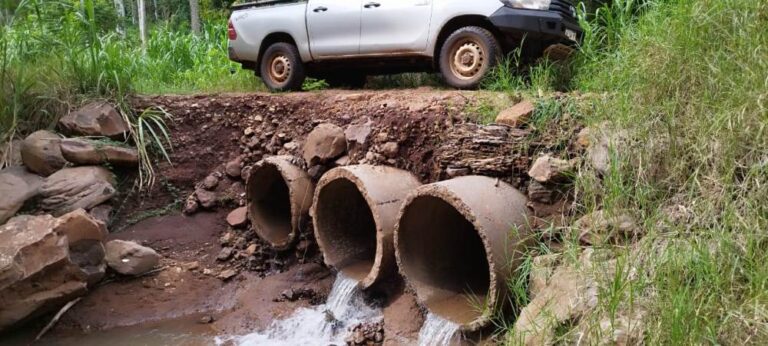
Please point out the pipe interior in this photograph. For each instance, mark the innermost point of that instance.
(270, 205)
(444, 259)
(346, 228)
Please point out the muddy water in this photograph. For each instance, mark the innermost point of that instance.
(437, 331)
(320, 325)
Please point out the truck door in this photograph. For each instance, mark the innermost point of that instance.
(395, 26)
(334, 27)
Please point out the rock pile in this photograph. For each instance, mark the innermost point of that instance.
(366, 334)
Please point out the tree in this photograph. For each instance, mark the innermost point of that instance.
(142, 22)
(120, 8)
(194, 12)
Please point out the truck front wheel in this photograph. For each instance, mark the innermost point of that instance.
(281, 67)
(467, 55)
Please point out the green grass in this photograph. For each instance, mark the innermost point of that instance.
(686, 82)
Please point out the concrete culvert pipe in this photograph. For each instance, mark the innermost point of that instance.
(457, 243)
(279, 196)
(354, 213)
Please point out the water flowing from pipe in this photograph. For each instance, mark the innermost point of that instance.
(437, 331)
(319, 325)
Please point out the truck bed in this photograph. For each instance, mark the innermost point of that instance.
(262, 3)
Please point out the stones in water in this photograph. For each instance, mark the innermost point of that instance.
(324, 324)
(437, 331)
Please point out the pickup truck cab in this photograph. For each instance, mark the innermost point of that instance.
(343, 41)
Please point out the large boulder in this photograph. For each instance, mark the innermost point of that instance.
(325, 143)
(41, 153)
(37, 274)
(17, 185)
(86, 152)
(129, 258)
(78, 187)
(95, 119)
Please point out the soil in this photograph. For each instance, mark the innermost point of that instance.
(244, 291)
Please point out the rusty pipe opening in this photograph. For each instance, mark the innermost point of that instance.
(279, 196)
(457, 243)
(354, 213)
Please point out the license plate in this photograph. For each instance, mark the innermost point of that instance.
(570, 34)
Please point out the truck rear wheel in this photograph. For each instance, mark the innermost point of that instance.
(281, 67)
(467, 55)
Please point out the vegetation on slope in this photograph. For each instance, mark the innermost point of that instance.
(686, 82)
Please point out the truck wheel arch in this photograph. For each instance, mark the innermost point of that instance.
(459, 22)
(271, 39)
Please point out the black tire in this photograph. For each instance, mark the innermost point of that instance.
(350, 80)
(281, 67)
(467, 55)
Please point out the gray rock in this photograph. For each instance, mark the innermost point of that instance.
(326, 142)
(78, 187)
(86, 152)
(601, 227)
(390, 149)
(210, 182)
(206, 198)
(41, 153)
(357, 134)
(129, 258)
(95, 119)
(17, 185)
(232, 168)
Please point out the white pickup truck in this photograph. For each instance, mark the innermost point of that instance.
(343, 41)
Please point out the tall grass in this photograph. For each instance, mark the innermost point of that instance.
(686, 83)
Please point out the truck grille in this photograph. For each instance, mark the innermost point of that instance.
(563, 6)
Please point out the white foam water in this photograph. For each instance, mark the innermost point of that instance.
(437, 331)
(324, 324)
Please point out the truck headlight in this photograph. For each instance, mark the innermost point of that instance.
(528, 4)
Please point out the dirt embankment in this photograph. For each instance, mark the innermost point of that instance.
(434, 137)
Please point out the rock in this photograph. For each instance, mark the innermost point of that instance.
(102, 213)
(79, 187)
(10, 153)
(227, 274)
(206, 198)
(453, 172)
(357, 134)
(600, 227)
(227, 239)
(95, 119)
(542, 269)
(517, 115)
(206, 319)
(547, 169)
(539, 192)
(343, 161)
(291, 146)
(232, 168)
(603, 144)
(238, 217)
(583, 139)
(571, 292)
(17, 185)
(86, 152)
(191, 205)
(129, 258)
(316, 171)
(390, 149)
(89, 255)
(210, 182)
(41, 153)
(79, 225)
(225, 254)
(191, 266)
(36, 273)
(326, 142)
(251, 249)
